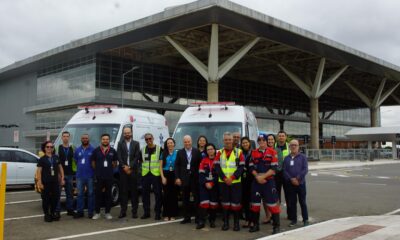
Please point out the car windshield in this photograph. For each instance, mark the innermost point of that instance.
(94, 131)
(213, 131)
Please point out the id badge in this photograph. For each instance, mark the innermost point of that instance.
(170, 169)
(188, 166)
(210, 176)
(52, 171)
(105, 164)
(83, 161)
(66, 163)
(291, 163)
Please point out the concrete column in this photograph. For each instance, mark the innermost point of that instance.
(212, 91)
(314, 123)
(374, 117)
(281, 124)
(394, 149)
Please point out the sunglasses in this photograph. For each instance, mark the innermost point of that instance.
(49, 146)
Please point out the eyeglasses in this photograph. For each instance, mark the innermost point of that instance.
(49, 146)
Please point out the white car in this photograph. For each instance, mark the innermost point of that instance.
(21, 165)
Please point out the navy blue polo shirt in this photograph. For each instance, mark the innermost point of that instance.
(104, 160)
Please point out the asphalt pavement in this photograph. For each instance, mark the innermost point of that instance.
(335, 190)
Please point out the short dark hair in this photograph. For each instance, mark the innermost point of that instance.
(272, 136)
(105, 135)
(65, 132)
(148, 134)
(281, 131)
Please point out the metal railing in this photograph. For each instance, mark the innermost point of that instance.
(348, 154)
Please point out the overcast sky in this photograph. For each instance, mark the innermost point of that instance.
(29, 27)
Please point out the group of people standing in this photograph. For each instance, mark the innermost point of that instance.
(236, 178)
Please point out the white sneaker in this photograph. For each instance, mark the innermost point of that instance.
(108, 216)
(96, 216)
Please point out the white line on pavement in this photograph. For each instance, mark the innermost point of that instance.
(343, 176)
(374, 184)
(326, 181)
(392, 212)
(115, 230)
(27, 217)
(12, 193)
(25, 201)
(383, 177)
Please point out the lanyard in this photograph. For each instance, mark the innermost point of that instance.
(51, 161)
(66, 153)
(105, 152)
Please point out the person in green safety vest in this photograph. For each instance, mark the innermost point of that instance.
(229, 164)
(283, 150)
(151, 176)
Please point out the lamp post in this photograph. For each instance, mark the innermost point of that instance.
(123, 83)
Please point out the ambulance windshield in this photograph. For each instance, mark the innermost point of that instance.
(214, 132)
(94, 131)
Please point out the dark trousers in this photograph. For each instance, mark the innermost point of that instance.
(297, 192)
(105, 196)
(148, 181)
(129, 189)
(190, 207)
(246, 195)
(231, 196)
(170, 195)
(50, 196)
(281, 184)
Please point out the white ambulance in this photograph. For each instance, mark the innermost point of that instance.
(100, 119)
(213, 120)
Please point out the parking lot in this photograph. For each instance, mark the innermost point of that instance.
(332, 193)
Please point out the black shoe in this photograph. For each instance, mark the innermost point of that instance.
(145, 216)
(134, 215)
(212, 224)
(90, 215)
(157, 217)
(122, 215)
(79, 215)
(276, 230)
(56, 216)
(48, 218)
(186, 220)
(200, 225)
(225, 226)
(254, 228)
(70, 213)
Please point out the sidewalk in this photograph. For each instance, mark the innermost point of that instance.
(354, 163)
(360, 228)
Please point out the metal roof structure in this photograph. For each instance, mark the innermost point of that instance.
(280, 44)
(374, 134)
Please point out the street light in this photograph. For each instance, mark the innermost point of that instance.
(123, 83)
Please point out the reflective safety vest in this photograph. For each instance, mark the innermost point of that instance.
(153, 165)
(229, 166)
(282, 155)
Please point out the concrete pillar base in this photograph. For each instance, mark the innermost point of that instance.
(212, 92)
(314, 123)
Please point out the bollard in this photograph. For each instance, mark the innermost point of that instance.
(2, 197)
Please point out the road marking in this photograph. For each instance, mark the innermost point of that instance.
(326, 181)
(27, 217)
(115, 230)
(12, 193)
(374, 184)
(343, 176)
(25, 201)
(383, 177)
(314, 174)
(392, 212)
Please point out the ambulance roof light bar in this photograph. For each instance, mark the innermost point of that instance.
(87, 107)
(225, 104)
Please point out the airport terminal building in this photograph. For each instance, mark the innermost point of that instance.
(209, 50)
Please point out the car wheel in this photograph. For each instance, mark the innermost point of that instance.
(115, 193)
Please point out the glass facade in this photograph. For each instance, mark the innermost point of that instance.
(101, 76)
(71, 84)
